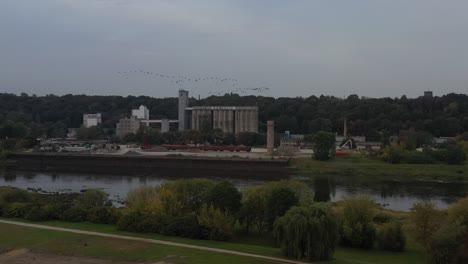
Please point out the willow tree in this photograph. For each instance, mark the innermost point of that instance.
(307, 232)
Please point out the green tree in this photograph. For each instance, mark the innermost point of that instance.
(307, 232)
(215, 224)
(278, 202)
(225, 196)
(425, 221)
(324, 145)
(446, 243)
(391, 237)
(357, 229)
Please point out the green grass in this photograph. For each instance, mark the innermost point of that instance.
(92, 246)
(373, 168)
(413, 254)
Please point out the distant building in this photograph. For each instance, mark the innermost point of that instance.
(127, 125)
(72, 133)
(428, 94)
(141, 113)
(291, 140)
(230, 119)
(91, 120)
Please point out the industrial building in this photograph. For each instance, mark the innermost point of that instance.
(91, 120)
(127, 125)
(230, 119)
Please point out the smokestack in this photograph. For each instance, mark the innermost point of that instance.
(345, 129)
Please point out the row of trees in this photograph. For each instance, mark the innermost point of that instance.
(303, 229)
(52, 115)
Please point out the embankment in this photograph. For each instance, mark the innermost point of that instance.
(160, 166)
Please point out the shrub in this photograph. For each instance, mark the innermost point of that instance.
(135, 221)
(184, 226)
(16, 210)
(357, 229)
(390, 237)
(446, 244)
(416, 157)
(393, 154)
(382, 218)
(309, 232)
(459, 212)
(225, 196)
(13, 195)
(75, 214)
(425, 220)
(215, 224)
(102, 215)
(278, 202)
(92, 198)
(37, 213)
(324, 145)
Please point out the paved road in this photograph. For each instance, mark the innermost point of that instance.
(154, 241)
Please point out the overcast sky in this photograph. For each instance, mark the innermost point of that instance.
(372, 48)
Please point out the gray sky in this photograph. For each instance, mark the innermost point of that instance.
(372, 48)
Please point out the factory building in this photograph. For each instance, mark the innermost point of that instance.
(230, 119)
(141, 113)
(127, 125)
(91, 120)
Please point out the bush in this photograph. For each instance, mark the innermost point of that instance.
(390, 237)
(16, 210)
(13, 195)
(183, 226)
(279, 201)
(135, 221)
(459, 212)
(382, 218)
(309, 232)
(225, 196)
(324, 145)
(447, 243)
(75, 214)
(416, 157)
(425, 220)
(215, 224)
(37, 214)
(393, 154)
(357, 229)
(102, 215)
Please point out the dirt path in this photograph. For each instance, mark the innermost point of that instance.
(154, 241)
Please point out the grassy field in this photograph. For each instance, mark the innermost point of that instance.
(63, 243)
(67, 244)
(374, 168)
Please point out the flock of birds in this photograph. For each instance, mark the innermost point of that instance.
(228, 85)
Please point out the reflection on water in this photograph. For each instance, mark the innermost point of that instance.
(391, 194)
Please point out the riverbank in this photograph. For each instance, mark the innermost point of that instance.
(362, 167)
(169, 165)
(85, 245)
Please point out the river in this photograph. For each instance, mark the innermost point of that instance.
(390, 194)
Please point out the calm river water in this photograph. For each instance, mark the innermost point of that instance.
(392, 195)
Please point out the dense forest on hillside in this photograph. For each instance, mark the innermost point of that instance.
(26, 115)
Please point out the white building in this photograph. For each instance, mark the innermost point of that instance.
(90, 120)
(141, 113)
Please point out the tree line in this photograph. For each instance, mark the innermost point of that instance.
(51, 115)
(285, 210)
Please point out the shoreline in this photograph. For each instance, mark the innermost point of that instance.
(185, 166)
